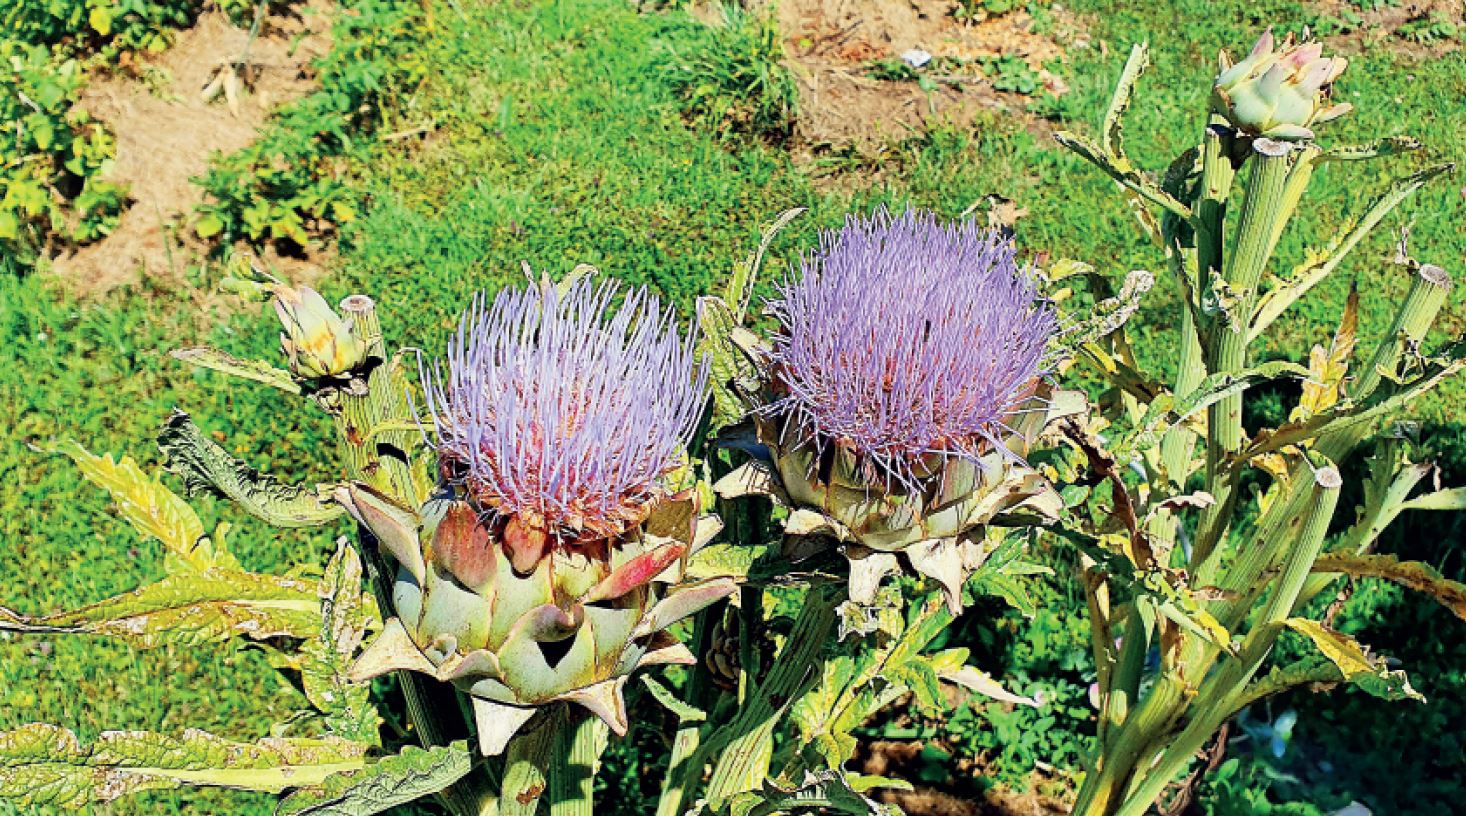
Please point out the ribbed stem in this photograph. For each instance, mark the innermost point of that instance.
(574, 764)
(1214, 703)
(432, 707)
(1429, 287)
(1262, 207)
(380, 459)
(526, 760)
(1266, 206)
(744, 759)
(683, 771)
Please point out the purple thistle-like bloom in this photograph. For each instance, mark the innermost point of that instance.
(553, 415)
(905, 338)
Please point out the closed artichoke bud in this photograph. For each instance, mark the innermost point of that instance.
(1282, 94)
(550, 563)
(900, 396)
(318, 343)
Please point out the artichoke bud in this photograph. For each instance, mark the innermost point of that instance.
(899, 396)
(318, 343)
(1279, 94)
(516, 634)
(554, 557)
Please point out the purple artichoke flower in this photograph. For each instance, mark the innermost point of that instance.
(559, 421)
(907, 342)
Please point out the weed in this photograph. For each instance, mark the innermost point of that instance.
(739, 86)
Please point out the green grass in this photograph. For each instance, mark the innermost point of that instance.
(560, 138)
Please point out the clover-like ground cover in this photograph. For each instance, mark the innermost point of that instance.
(556, 138)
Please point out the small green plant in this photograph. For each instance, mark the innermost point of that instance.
(52, 158)
(1433, 27)
(287, 186)
(739, 86)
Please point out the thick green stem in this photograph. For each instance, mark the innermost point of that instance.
(1218, 695)
(376, 458)
(1262, 207)
(683, 772)
(1267, 204)
(432, 707)
(527, 760)
(747, 750)
(574, 764)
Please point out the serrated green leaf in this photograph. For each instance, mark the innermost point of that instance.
(189, 609)
(253, 370)
(685, 713)
(824, 792)
(1354, 665)
(727, 363)
(325, 660)
(46, 765)
(394, 780)
(151, 508)
(204, 466)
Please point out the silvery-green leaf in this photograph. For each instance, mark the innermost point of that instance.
(152, 509)
(325, 660)
(395, 780)
(191, 608)
(685, 713)
(204, 466)
(224, 363)
(46, 765)
(822, 792)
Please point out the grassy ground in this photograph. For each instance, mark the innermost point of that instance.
(558, 140)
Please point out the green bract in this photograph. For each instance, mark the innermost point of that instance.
(316, 340)
(937, 528)
(572, 627)
(1280, 95)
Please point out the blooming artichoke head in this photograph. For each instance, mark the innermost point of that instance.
(899, 392)
(550, 562)
(318, 343)
(1279, 94)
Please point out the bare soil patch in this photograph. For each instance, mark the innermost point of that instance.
(832, 44)
(166, 132)
(902, 759)
(1389, 26)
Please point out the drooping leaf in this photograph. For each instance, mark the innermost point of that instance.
(46, 765)
(254, 370)
(1415, 575)
(191, 608)
(204, 466)
(1354, 664)
(325, 660)
(391, 781)
(151, 508)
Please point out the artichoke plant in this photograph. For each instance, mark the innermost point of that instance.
(1279, 94)
(900, 395)
(549, 563)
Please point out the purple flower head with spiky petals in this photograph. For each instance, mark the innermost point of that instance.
(560, 420)
(905, 338)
